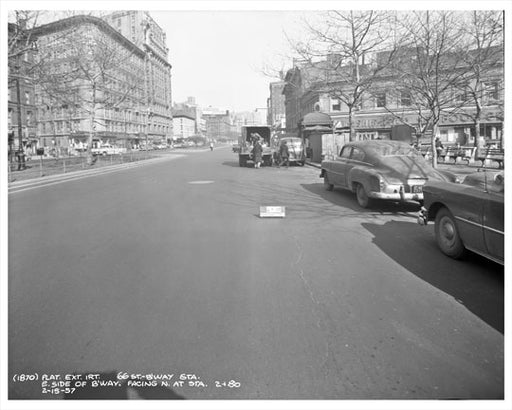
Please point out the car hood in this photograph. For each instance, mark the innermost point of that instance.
(410, 167)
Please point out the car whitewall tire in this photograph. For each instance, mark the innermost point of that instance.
(362, 197)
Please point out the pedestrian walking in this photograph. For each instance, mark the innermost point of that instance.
(257, 152)
(439, 147)
(284, 153)
(211, 145)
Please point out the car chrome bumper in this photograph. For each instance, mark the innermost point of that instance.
(400, 196)
(422, 216)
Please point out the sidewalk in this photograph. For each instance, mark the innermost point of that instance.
(461, 170)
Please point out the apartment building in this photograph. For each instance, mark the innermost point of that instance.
(142, 30)
(385, 105)
(21, 119)
(105, 99)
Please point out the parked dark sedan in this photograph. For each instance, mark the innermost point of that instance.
(468, 216)
(381, 169)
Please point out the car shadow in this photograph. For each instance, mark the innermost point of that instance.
(121, 392)
(474, 282)
(344, 198)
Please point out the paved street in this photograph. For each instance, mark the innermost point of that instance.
(167, 268)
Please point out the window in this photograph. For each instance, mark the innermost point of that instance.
(27, 97)
(380, 99)
(336, 105)
(29, 118)
(492, 91)
(357, 154)
(10, 117)
(405, 98)
(345, 152)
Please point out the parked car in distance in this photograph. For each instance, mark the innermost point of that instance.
(107, 149)
(296, 150)
(381, 169)
(468, 216)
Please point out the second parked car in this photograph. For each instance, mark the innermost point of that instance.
(381, 169)
(468, 216)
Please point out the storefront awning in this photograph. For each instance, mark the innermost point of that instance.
(316, 118)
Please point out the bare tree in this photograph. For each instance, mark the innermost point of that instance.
(84, 70)
(428, 67)
(482, 55)
(340, 57)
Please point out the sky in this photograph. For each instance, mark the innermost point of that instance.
(220, 57)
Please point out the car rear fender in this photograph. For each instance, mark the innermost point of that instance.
(369, 178)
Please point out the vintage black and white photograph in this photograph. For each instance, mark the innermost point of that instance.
(254, 201)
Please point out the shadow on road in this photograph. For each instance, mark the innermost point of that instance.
(234, 164)
(347, 199)
(474, 282)
(122, 392)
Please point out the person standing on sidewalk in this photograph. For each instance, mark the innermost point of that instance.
(439, 148)
(284, 154)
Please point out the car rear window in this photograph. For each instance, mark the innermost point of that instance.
(401, 151)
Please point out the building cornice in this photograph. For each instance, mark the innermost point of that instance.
(74, 21)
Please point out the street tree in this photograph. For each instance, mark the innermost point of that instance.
(339, 55)
(81, 69)
(482, 55)
(428, 67)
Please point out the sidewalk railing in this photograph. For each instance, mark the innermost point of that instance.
(39, 167)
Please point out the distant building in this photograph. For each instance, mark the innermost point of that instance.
(184, 125)
(218, 125)
(140, 28)
(191, 110)
(276, 116)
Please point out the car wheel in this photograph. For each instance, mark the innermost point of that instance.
(362, 197)
(447, 235)
(327, 184)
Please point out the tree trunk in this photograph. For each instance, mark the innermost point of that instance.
(90, 157)
(352, 135)
(435, 128)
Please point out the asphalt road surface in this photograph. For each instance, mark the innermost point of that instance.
(166, 270)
